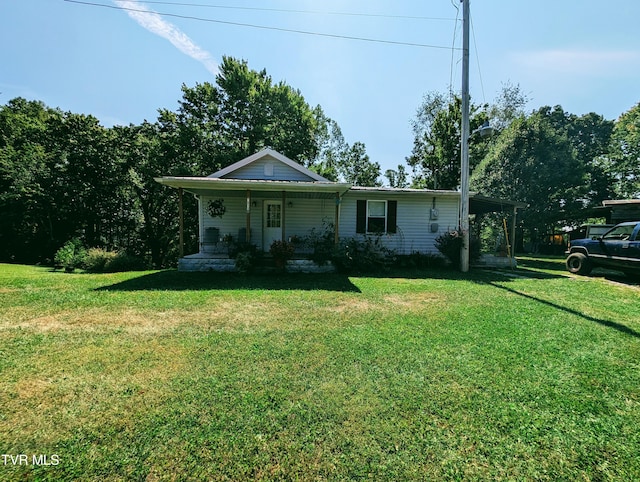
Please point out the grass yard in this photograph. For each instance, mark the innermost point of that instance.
(434, 376)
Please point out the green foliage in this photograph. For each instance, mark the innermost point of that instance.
(71, 255)
(97, 259)
(245, 262)
(321, 243)
(367, 255)
(451, 242)
(282, 250)
(623, 164)
(245, 255)
(534, 163)
(357, 169)
(435, 158)
(417, 260)
(63, 173)
(125, 262)
(397, 178)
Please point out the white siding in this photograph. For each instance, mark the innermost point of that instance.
(259, 170)
(300, 218)
(413, 219)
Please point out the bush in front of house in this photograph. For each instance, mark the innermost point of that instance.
(282, 251)
(450, 244)
(418, 260)
(245, 256)
(321, 244)
(70, 256)
(360, 256)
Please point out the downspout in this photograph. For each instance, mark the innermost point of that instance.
(181, 214)
(248, 233)
(337, 223)
(284, 217)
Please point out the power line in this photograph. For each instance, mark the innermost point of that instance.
(263, 27)
(475, 45)
(311, 12)
(453, 43)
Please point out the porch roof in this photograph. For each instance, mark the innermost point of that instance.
(207, 185)
(479, 204)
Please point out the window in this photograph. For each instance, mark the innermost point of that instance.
(622, 233)
(376, 216)
(274, 215)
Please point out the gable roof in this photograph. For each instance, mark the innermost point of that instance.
(268, 153)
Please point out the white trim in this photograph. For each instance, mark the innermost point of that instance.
(385, 216)
(271, 153)
(209, 183)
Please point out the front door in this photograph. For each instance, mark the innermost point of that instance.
(272, 224)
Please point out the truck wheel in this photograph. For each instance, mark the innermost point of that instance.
(578, 263)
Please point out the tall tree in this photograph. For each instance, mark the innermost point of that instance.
(242, 113)
(590, 136)
(26, 210)
(397, 178)
(358, 169)
(435, 158)
(534, 163)
(623, 160)
(331, 146)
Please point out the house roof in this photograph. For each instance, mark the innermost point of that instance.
(620, 202)
(313, 184)
(407, 191)
(268, 153)
(204, 185)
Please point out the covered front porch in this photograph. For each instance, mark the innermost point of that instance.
(234, 214)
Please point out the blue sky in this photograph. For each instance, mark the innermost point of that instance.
(121, 66)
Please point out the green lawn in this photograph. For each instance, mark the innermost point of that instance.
(413, 376)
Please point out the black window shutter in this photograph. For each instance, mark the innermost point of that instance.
(361, 217)
(392, 216)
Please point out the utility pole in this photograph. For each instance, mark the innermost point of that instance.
(464, 140)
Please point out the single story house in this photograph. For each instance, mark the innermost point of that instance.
(268, 197)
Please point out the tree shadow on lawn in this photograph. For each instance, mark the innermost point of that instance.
(172, 280)
(608, 323)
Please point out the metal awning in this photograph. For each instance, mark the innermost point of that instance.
(479, 204)
(208, 185)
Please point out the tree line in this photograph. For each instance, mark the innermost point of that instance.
(560, 164)
(63, 175)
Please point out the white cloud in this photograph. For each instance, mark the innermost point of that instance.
(605, 63)
(154, 23)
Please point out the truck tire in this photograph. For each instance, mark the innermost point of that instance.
(578, 263)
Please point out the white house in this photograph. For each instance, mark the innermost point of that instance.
(268, 197)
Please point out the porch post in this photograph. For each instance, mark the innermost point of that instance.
(337, 220)
(283, 220)
(181, 215)
(248, 233)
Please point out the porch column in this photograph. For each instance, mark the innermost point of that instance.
(181, 215)
(283, 220)
(248, 233)
(337, 220)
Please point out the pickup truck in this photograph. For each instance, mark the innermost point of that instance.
(618, 248)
